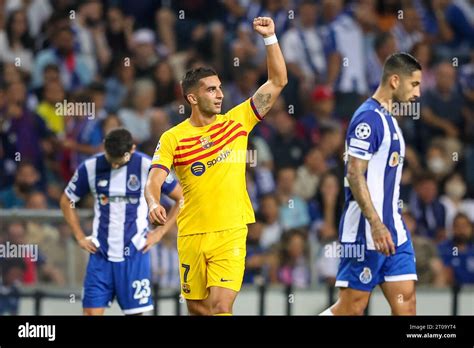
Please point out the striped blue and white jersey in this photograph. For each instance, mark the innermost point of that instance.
(120, 211)
(374, 135)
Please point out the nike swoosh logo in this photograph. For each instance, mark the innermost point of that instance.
(226, 280)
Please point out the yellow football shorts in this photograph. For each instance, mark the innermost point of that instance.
(211, 259)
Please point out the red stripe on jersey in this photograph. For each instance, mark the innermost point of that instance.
(219, 125)
(255, 109)
(181, 155)
(239, 134)
(184, 147)
(160, 166)
(185, 140)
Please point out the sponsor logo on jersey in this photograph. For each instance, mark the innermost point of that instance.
(198, 168)
(104, 200)
(395, 159)
(222, 156)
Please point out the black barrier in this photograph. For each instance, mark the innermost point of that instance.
(39, 295)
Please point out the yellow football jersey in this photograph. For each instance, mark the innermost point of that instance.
(210, 164)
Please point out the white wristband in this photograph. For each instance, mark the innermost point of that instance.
(270, 40)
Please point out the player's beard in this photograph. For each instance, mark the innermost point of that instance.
(208, 109)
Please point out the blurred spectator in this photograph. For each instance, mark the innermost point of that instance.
(423, 52)
(458, 253)
(27, 180)
(438, 160)
(427, 209)
(90, 36)
(118, 31)
(242, 87)
(50, 74)
(309, 174)
(305, 48)
(407, 31)
(243, 46)
(294, 268)
(347, 33)
(385, 44)
(466, 83)
(326, 208)
(258, 261)
(12, 272)
(96, 90)
(322, 112)
(272, 228)
(326, 211)
(15, 42)
(19, 123)
(53, 92)
(74, 71)
(167, 88)
(110, 122)
(454, 200)
(37, 12)
(165, 263)
(331, 144)
(455, 26)
(145, 56)
(119, 85)
(159, 123)
(429, 266)
(53, 241)
(34, 269)
(136, 117)
(83, 136)
(285, 144)
(293, 209)
(441, 106)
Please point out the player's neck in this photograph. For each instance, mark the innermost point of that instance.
(197, 119)
(384, 98)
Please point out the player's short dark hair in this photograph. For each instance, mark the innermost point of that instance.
(400, 63)
(192, 77)
(117, 142)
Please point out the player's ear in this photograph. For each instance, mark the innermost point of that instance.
(394, 81)
(192, 99)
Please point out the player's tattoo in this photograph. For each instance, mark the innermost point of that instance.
(356, 177)
(262, 102)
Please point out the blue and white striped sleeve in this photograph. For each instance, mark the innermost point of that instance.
(365, 135)
(78, 186)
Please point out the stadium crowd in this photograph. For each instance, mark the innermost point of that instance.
(124, 60)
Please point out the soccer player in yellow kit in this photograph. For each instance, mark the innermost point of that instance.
(212, 222)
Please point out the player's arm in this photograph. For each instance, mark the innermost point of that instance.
(155, 236)
(267, 94)
(157, 213)
(356, 169)
(72, 220)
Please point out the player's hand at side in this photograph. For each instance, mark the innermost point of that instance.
(153, 238)
(157, 214)
(264, 26)
(383, 239)
(87, 245)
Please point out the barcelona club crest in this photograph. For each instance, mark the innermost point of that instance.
(133, 183)
(206, 142)
(186, 288)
